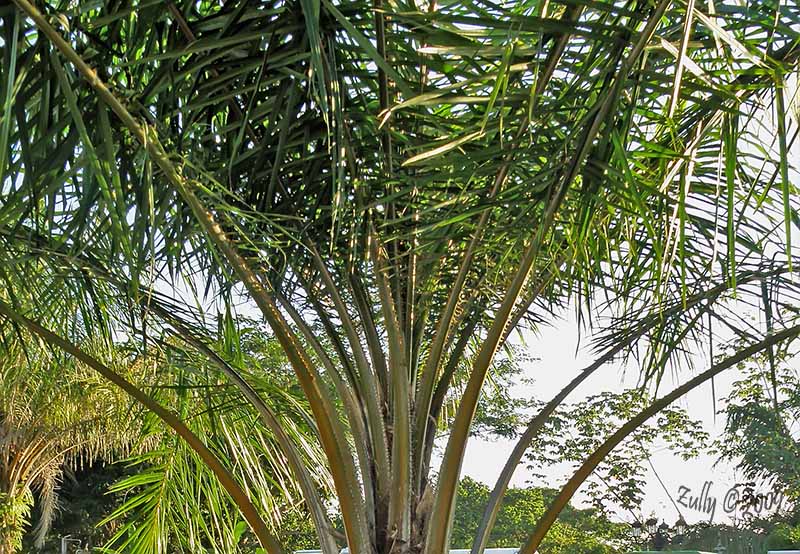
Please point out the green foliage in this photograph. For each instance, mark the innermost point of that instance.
(760, 441)
(762, 419)
(296, 529)
(737, 539)
(582, 531)
(173, 503)
(93, 498)
(406, 183)
(499, 413)
(784, 536)
(14, 518)
(55, 415)
(575, 429)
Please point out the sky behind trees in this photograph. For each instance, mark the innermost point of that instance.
(556, 363)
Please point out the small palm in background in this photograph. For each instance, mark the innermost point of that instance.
(55, 416)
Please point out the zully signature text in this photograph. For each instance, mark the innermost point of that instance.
(735, 501)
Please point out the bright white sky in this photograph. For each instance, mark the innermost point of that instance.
(557, 364)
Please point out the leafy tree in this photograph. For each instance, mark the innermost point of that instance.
(59, 416)
(55, 415)
(618, 481)
(582, 531)
(171, 497)
(737, 539)
(396, 187)
(762, 416)
(500, 413)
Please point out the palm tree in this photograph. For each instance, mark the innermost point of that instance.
(397, 186)
(58, 415)
(171, 499)
(55, 415)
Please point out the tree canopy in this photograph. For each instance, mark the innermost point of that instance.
(583, 531)
(55, 416)
(396, 187)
